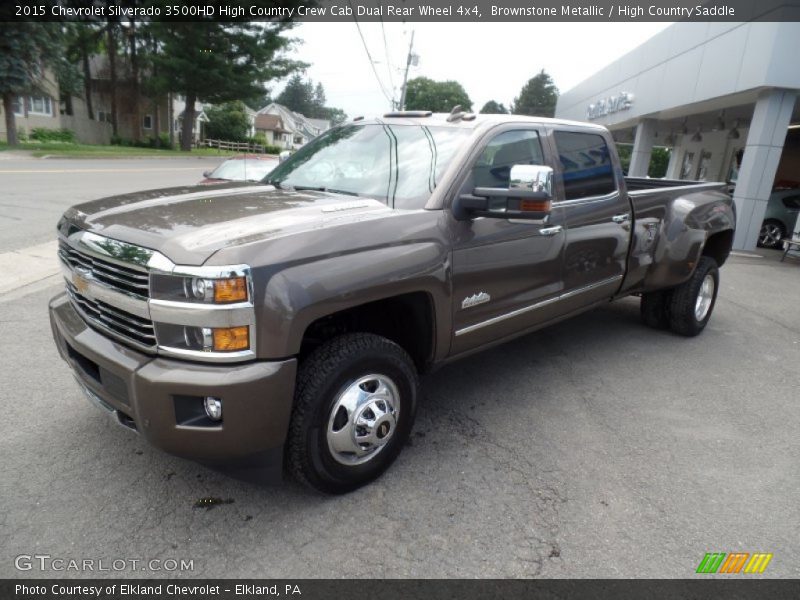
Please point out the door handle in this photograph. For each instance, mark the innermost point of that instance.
(548, 231)
(621, 218)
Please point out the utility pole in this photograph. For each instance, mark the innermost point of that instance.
(409, 59)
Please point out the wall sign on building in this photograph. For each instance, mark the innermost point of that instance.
(606, 106)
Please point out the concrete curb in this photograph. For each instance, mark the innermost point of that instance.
(19, 268)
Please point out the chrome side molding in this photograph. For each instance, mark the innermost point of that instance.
(540, 304)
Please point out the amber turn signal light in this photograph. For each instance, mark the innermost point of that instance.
(229, 339)
(534, 205)
(230, 290)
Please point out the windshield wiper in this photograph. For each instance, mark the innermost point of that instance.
(273, 182)
(303, 188)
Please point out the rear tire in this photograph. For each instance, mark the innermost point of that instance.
(354, 407)
(654, 309)
(693, 301)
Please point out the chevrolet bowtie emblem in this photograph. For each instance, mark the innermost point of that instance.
(80, 281)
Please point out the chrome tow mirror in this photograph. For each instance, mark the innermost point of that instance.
(534, 178)
(528, 196)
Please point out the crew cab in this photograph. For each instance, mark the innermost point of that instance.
(283, 326)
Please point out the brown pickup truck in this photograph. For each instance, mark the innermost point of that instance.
(283, 325)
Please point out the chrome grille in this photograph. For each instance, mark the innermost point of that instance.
(115, 320)
(118, 277)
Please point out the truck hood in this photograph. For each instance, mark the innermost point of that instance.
(190, 224)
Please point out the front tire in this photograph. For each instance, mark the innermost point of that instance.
(354, 407)
(693, 301)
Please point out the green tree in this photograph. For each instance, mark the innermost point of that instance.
(220, 62)
(298, 95)
(67, 67)
(624, 151)
(319, 96)
(258, 99)
(228, 122)
(82, 41)
(538, 97)
(494, 108)
(659, 161)
(423, 93)
(26, 48)
(302, 96)
(336, 116)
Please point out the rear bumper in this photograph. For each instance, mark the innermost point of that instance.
(161, 398)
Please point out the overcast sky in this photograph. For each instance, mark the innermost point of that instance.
(491, 60)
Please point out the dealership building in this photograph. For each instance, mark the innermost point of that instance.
(721, 96)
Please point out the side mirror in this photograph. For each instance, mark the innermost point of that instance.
(284, 155)
(536, 178)
(206, 174)
(528, 196)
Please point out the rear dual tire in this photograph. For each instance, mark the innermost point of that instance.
(685, 309)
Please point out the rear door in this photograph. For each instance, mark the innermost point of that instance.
(505, 271)
(597, 217)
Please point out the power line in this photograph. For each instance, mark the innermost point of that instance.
(386, 52)
(369, 56)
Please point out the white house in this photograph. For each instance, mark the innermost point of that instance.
(294, 129)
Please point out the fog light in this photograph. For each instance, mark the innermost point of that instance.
(213, 408)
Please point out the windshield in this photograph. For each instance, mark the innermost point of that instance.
(397, 164)
(243, 170)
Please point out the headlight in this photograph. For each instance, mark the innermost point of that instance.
(203, 313)
(219, 291)
(208, 290)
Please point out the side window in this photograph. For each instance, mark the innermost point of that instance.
(585, 164)
(518, 147)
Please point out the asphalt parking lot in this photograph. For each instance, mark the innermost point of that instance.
(594, 448)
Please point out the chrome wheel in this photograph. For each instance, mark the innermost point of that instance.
(363, 419)
(704, 298)
(770, 235)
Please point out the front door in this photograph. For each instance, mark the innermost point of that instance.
(505, 272)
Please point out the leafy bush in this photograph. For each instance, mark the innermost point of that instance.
(228, 122)
(42, 134)
(261, 140)
(149, 142)
(659, 159)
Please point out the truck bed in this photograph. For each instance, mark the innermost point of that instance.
(672, 219)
